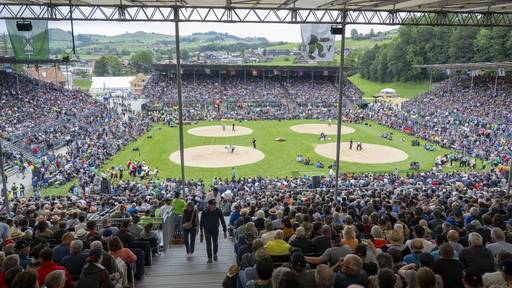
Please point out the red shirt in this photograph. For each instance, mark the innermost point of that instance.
(49, 266)
(2, 280)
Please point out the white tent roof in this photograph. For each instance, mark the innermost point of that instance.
(388, 91)
(99, 83)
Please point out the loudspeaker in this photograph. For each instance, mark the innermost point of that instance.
(24, 25)
(316, 181)
(336, 30)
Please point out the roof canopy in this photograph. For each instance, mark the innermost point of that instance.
(381, 12)
(469, 66)
(376, 5)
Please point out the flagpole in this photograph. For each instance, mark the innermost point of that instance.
(340, 102)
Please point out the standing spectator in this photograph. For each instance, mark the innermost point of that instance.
(190, 227)
(211, 218)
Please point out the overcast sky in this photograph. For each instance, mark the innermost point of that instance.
(273, 32)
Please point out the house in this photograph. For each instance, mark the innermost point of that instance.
(137, 83)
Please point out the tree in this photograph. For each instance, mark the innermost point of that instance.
(142, 61)
(354, 34)
(371, 34)
(108, 65)
(461, 48)
(484, 46)
(185, 54)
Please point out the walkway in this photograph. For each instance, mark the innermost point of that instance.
(175, 269)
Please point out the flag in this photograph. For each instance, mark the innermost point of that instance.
(32, 44)
(317, 41)
(448, 72)
(254, 72)
(501, 72)
(299, 72)
(207, 71)
(277, 72)
(326, 73)
(472, 73)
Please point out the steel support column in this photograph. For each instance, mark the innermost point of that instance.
(180, 100)
(4, 179)
(340, 103)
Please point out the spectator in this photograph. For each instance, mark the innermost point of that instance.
(476, 256)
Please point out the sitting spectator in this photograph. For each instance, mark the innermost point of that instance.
(63, 249)
(323, 241)
(264, 268)
(450, 268)
(350, 271)
(150, 235)
(74, 262)
(94, 274)
(26, 279)
(302, 242)
(503, 276)
(55, 279)
(324, 277)
(116, 250)
(47, 266)
(417, 248)
(476, 256)
(499, 243)
(472, 278)
(278, 247)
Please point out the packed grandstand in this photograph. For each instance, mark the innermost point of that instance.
(428, 228)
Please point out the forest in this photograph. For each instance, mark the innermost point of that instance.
(417, 45)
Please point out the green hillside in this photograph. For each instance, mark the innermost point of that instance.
(404, 89)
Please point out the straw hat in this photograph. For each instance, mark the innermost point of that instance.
(81, 233)
(396, 237)
(272, 211)
(16, 234)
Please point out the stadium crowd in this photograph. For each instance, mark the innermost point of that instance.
(456, 115)
(250, 98)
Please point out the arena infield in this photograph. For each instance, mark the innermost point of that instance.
(370, 154)
(216, 156)
(279, 157)
(220, 131)
(321, 128)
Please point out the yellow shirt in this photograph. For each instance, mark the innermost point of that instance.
(277, 247)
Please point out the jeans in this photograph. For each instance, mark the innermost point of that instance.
(211, 236)
(190, 239)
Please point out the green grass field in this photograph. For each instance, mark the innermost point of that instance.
(404, 89)
(279, 158)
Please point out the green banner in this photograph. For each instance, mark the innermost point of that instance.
(28, 45)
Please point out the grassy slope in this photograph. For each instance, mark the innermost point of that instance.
(405, 90)
(349, 43)
(279, 156)
(83, 84)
